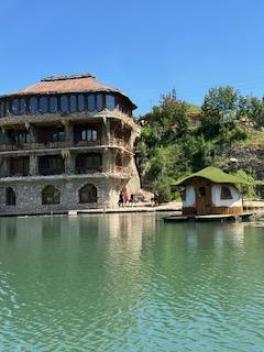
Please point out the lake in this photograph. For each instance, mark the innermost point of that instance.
(130, 283)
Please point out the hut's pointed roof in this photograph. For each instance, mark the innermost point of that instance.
(214, 175)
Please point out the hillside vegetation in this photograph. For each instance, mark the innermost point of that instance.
(172, 145)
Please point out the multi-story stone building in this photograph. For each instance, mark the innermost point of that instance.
(66, 143)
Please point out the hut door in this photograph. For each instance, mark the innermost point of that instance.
(203, 199)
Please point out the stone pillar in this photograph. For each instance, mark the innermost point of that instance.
(33, 165)
(69, 135)
(33, 134)
(106, 131)
(106, 160)
(70, 163)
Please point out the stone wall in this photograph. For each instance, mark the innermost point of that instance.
(29, 194)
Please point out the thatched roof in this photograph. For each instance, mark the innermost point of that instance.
(214, 175)
(83, 83)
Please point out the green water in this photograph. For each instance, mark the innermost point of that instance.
(130, 283)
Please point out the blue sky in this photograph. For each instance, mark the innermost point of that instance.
(145, 48)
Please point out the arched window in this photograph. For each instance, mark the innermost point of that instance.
(50, 195)
(10, 196)
(88, 194)
(226, 193)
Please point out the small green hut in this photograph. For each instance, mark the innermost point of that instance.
(210, 191)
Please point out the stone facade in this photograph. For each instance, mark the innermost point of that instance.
(66, 150)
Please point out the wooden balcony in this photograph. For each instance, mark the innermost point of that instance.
(66, 144)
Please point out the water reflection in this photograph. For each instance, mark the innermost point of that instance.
(124, 282)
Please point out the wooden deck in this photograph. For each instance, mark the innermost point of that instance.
(246, 216)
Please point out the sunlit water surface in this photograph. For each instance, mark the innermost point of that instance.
(130, 283)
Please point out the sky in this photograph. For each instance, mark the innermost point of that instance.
(145, 48)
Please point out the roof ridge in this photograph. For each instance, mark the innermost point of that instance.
(66, 77)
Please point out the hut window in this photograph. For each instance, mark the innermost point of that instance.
(88, 194)
(81, 106)
(110, 102)
(33, 104)
(64, 103)
(91, 102)
(43, 104)
(10, 196)
(53, 104)
(226, 193)
(50, 195)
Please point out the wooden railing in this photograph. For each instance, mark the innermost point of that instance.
(66, 144)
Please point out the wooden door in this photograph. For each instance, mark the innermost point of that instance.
(203, 198)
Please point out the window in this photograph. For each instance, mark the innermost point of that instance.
(99, 102)
(110, 102)
(226, 193)
(91, 102)
(53, 104)
(73, 103)
(64, 103)
(58, 135)
(88, 194)
(19, 166)
(88, 134)
(20, 137)
(23, 106)
(2, 109)
(51, 165)
(81, 105)
(10, 197)
(15, 106)
(33, 105)
(50, 195)
(43, 104)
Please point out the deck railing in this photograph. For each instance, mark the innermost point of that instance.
(65, 144)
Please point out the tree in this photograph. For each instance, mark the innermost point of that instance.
(253, 109)
(222, 100)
